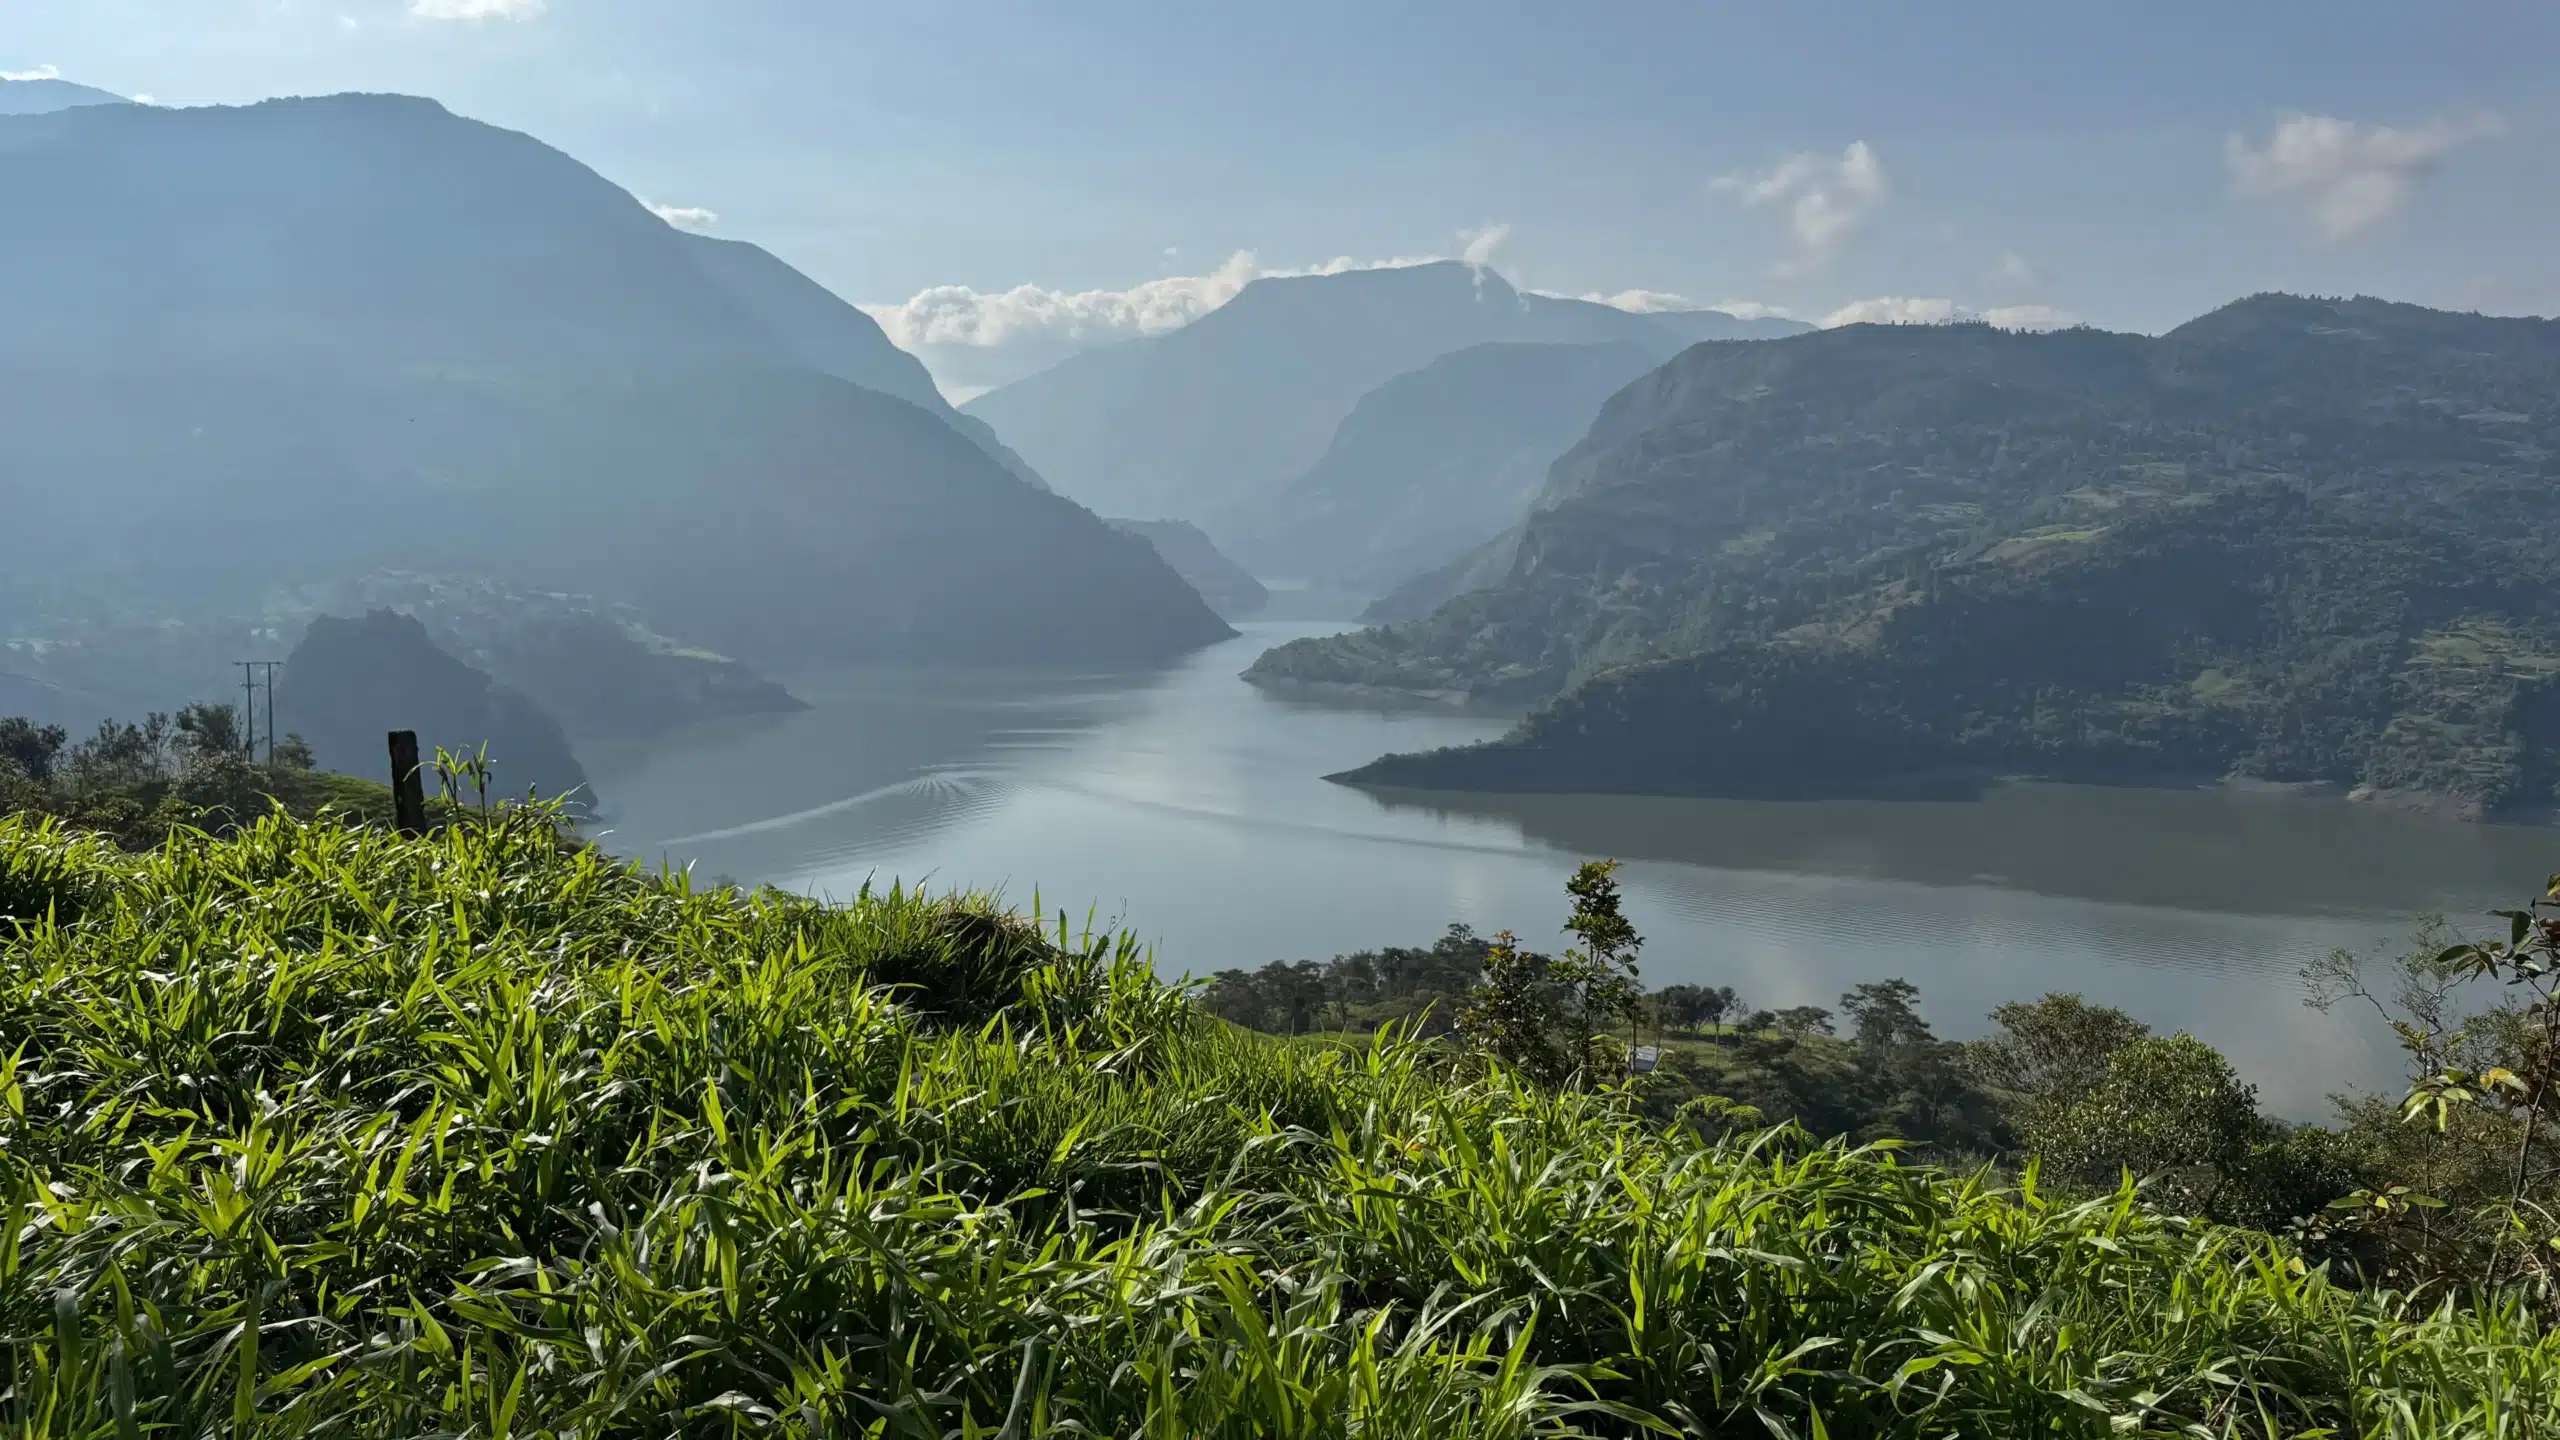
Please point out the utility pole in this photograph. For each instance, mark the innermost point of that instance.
(248, 712)
(253, 674)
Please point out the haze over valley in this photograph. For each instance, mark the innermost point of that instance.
(994, 720)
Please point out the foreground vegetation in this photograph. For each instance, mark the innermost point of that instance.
(136, 782)
(315, 1130)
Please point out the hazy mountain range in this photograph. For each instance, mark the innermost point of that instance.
(2294, 539)
(43, 96)
(1228, 587)
(1202, 423)
(1435, 462)
(249, 347)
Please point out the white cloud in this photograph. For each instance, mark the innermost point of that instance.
(1892, 310)
(1827, 199)
(1482, 245)
(959, 315)
(975, 340)
(2028, 317)
(2348, 177)
(1661, 302)
(1935, 310)
(684, 217)
(1644, 302)
(2016, 269)
(41, 72)
(1753, 310)
(477, 10)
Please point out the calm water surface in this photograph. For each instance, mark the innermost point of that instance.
(1190, 807)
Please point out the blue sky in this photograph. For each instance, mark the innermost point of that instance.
(1006, 181)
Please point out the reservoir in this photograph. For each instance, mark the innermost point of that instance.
(1190, 807)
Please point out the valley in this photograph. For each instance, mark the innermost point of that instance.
(898, 722)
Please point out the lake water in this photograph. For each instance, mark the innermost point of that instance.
(1190, 807)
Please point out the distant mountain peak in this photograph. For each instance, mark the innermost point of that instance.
(44, 94)
(1203, 421)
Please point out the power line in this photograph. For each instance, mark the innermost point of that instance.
(252, 674)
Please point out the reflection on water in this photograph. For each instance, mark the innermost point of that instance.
(1188, 805)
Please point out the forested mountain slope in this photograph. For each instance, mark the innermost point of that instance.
(249, 347)
(2353, 501)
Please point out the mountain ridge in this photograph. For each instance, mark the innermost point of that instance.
(1437, 461)
(1793, 515)
(371, 328)
(1201, 420)
(44, 94)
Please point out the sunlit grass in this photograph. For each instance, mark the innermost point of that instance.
(316, 1131)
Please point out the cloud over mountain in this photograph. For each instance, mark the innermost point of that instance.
(975, 340)
(1827, 199)
(1936, 310)
(685, 217)
(2348, 177)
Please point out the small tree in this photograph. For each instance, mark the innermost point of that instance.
(2167, 1109)
(1555, 1020)
(2474, 1175)
(33, 749)
(1885, 1016)
(1801, 1020)
(2054, 1047)
(208, 731)
(1516, 1014)
(1602, 971)
(1695, 1007)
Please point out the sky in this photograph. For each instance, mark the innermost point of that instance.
(1002, 183)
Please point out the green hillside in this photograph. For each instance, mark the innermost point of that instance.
(314, 1130)
(2295, 539)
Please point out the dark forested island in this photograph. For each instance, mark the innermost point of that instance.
(2297, 540)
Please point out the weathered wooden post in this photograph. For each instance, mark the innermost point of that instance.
(408, 784)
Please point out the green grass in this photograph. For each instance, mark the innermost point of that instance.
(315, 1131)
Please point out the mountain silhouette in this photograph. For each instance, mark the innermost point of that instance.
(1203, 421)
(1436, 462)
(835, 337)
(44, 96)
(1229, 588)
(244, 347)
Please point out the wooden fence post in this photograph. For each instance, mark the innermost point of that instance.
(408, 784)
